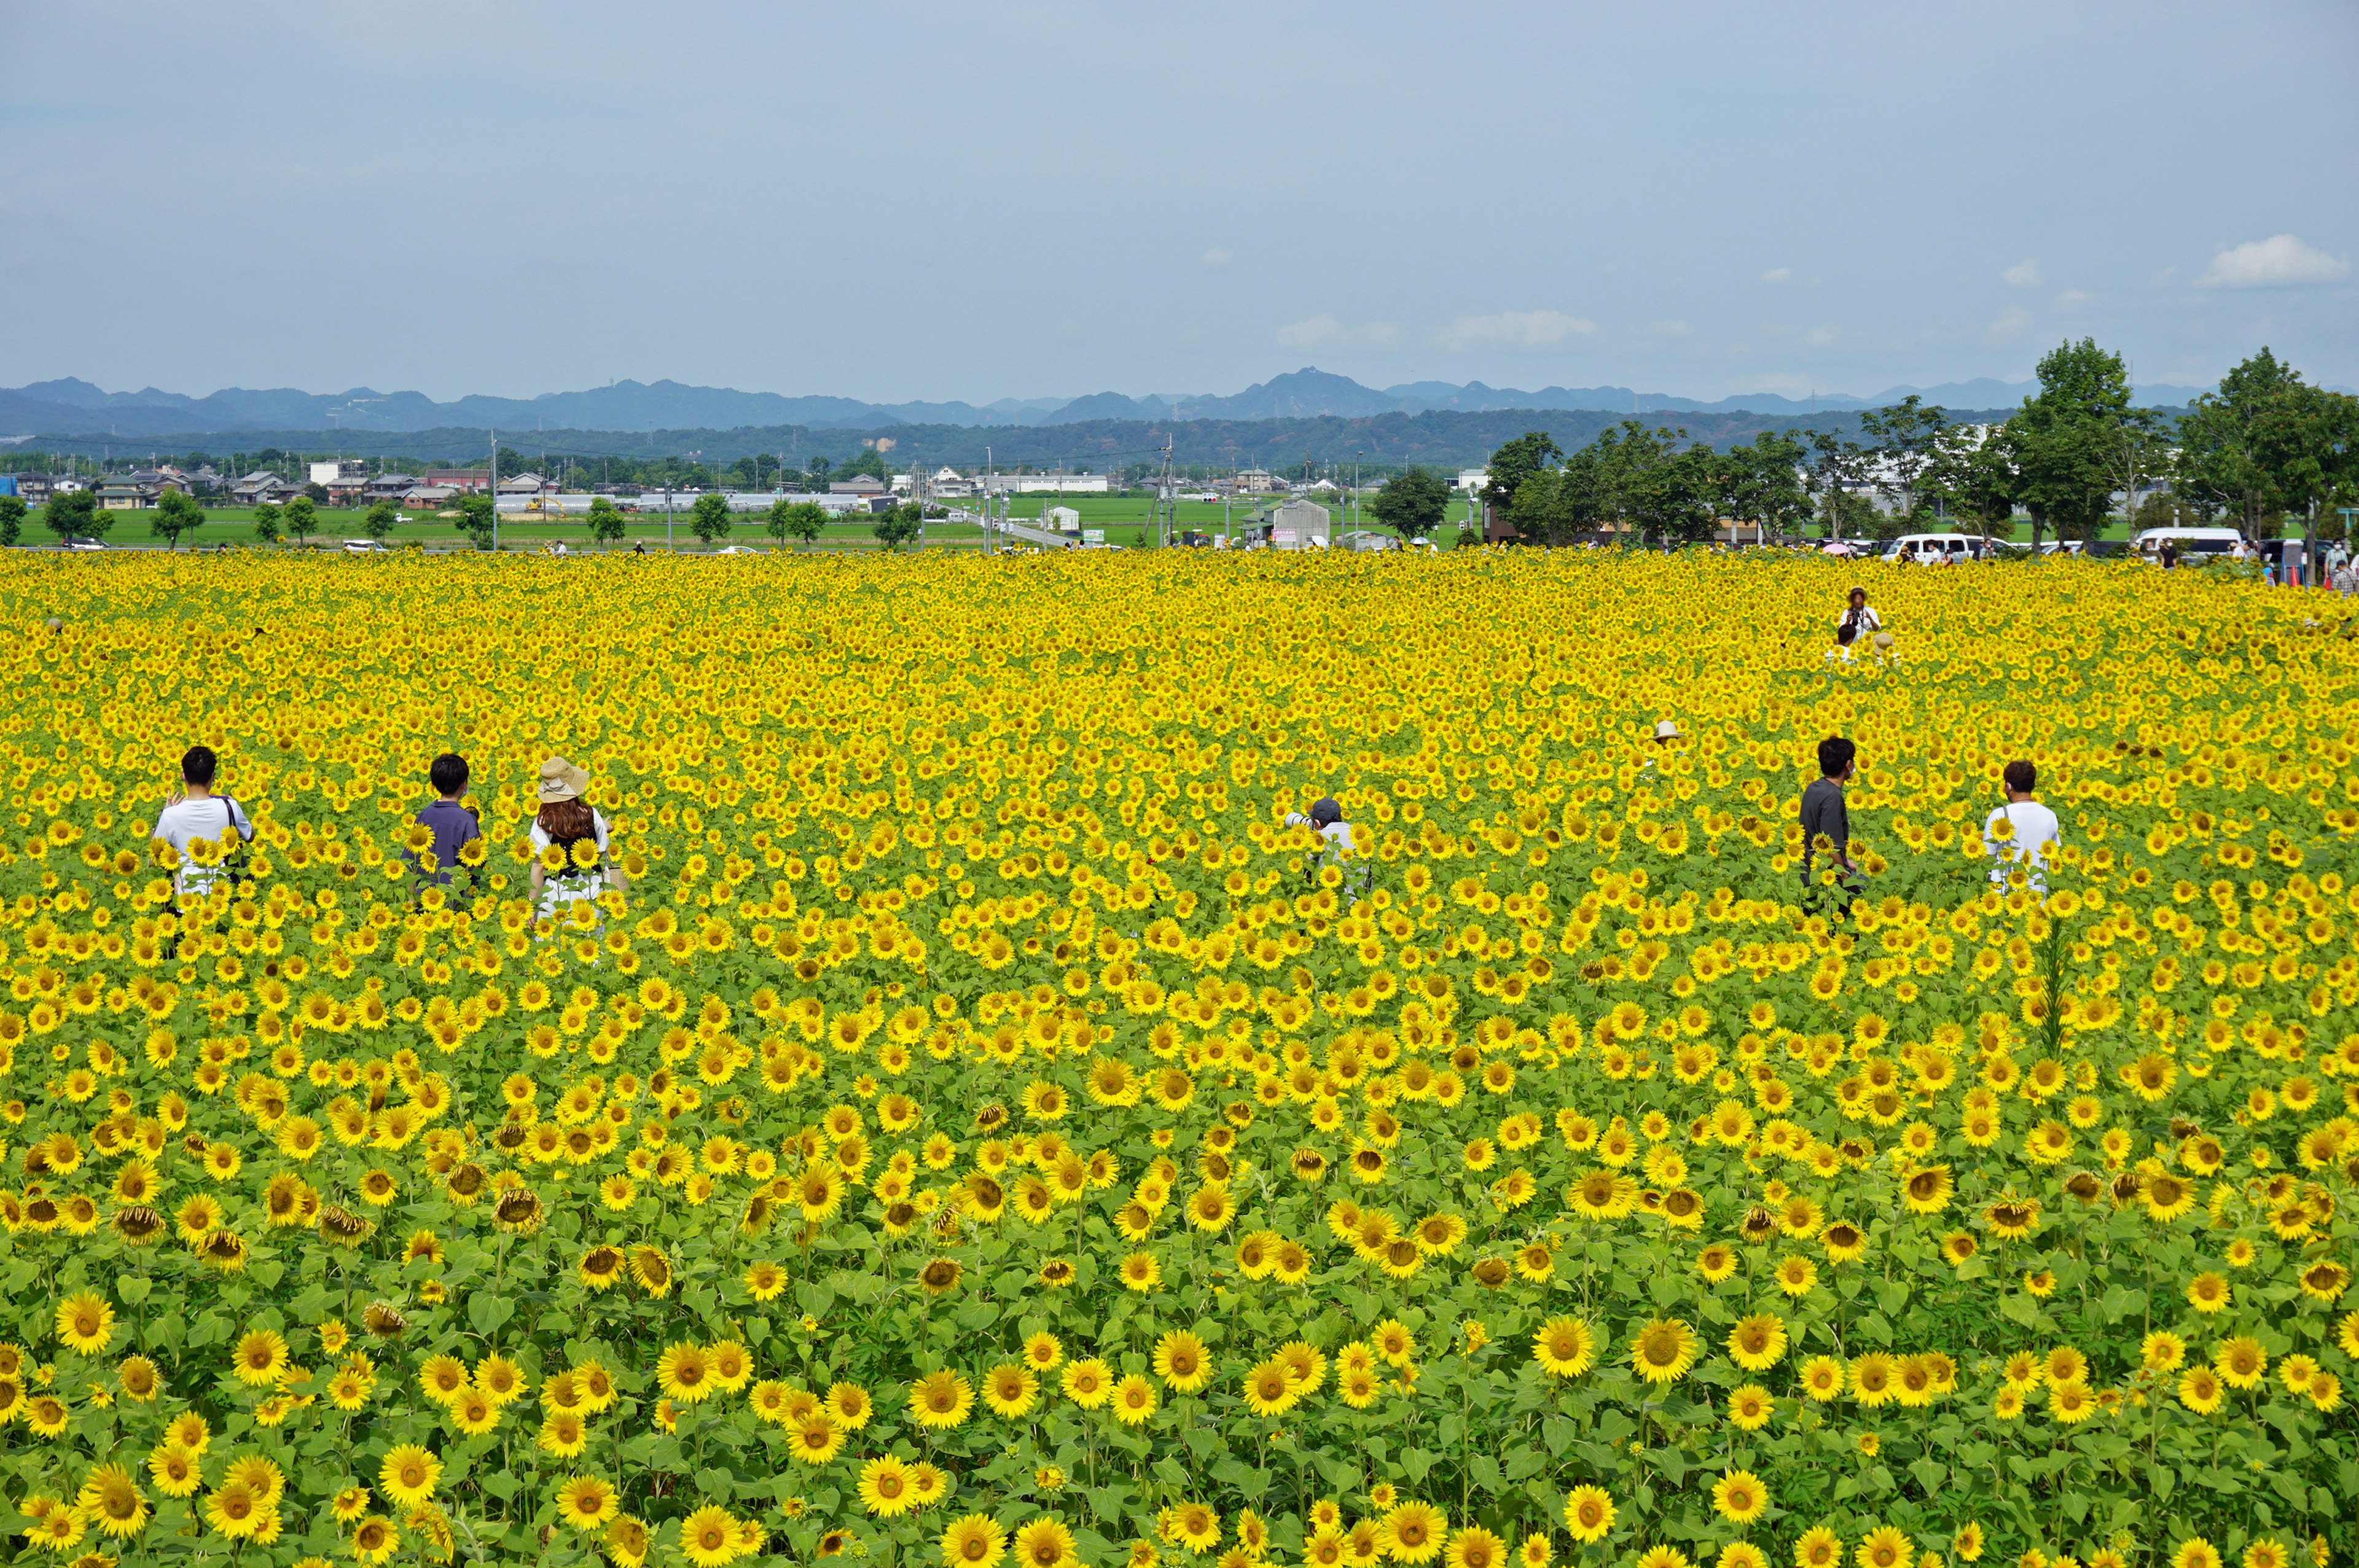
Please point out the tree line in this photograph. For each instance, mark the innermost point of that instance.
(2264, 448)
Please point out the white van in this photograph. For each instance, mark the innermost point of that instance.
(2190, 542)
(1933, 549)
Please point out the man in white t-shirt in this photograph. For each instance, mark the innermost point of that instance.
(196, 812)
(2034, 829)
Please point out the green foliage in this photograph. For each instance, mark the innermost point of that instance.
(1412, 504)
(173, 515)
(606, 522)
(1532, 452)
(897, 527)
(709, 519)
(268, 523)
(2068, 439)
(479, 519)
(301, 518)
(11, 518)
(796, 519)
(379, 521)
(76, 516)
(1908, 437)
(2266, 442)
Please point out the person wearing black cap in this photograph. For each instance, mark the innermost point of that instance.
(1326, 819)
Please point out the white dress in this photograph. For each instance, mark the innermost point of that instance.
(564, 889)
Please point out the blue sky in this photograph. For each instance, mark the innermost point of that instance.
(897, 201)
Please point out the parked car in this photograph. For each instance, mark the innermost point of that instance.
(364, 548)
(2147, 545)
(1933, 549)
(1194, 538)
(737, 550)
(74, 544)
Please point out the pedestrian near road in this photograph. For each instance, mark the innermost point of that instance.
(193, 811)
(1827, 816)
(565, 822)
(2169, 555)
(2018, 833)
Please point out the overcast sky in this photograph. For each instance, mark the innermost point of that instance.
(895, 201)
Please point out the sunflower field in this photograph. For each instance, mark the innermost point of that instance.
(986, 1133)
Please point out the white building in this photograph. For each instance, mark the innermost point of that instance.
(1298, 526)
(1042, 484)
(1470, 479)
(340, 471)
(1061, 520)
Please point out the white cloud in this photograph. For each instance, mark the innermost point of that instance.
(1218, 257)
(1823, 335)
(2272, 262)
(2073, 298)
(2008, 323)
(1325, 332)
(2024, 274)
(1515, 330)
(1779, 275)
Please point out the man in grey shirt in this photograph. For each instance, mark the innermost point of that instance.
(1823, 811)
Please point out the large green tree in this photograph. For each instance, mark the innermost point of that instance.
(1907, 439)
(1412, 502)
(709, 519)
(796, 519)
(1761, 483)
(76, 516)
(2266, 443)
(607, 520)
(1532, 452)
(2066, 440)
(1836, 466)
(11, 518)
(302, 519)
(174, 516)
(1973, 474)
(899, 526)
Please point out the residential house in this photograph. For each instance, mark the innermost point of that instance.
(1256, 481)
(259, 487)
(125, 495)
(335, 472)
(387, 487)
(523, 485)
(860, 484)
(32, 489)
(430, 497)
(471, 480)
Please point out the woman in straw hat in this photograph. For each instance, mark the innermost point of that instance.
(566, 821)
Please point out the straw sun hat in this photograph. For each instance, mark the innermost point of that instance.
(561, 780)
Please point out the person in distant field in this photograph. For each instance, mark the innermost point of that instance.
(193, 811)
(1325, 818)
(2031, 827)
(2169, 555)
(1858, 618)
(2345, 576)
(447, 816)
(1666, 738)
(1826, 814)
(565, 820)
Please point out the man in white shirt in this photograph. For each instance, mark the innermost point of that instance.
(2033, 829)
(196, 812)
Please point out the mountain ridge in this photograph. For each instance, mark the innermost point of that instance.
(69, 406)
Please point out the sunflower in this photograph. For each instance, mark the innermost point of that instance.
(585, 1502)
(1010, 1390)
(1588, 1514)
(884, 1487)
(972, 1541)
(1564, 1346)
(86, 1324)
(815, 1439)
(1134, 1400)
(1043, 1543)
(1663, 1351)
(110, 1500)
(1181, 1360)
(1739, 1497)
(1413, 1532)
(408, 1475)
(939, 1401)
(709, 1537)
(1757, 1343)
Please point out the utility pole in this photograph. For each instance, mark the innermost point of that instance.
(496, 492)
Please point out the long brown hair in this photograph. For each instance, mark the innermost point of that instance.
(567, 820)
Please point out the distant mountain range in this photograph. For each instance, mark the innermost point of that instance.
(74, 408)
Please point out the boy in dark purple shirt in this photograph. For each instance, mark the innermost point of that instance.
(451, 824)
